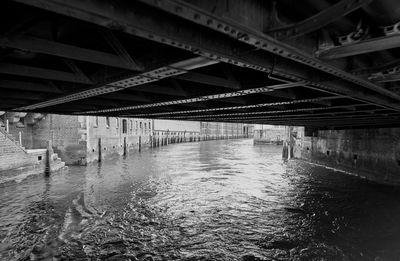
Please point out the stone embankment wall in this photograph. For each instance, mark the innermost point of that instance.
(373, 154)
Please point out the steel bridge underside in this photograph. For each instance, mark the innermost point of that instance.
(318, 63)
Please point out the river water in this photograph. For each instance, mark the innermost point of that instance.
(214, 200)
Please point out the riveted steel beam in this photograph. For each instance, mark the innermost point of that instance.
(329, 122)
(377, 68)
(28, 86)
(208, 79)
(294, 117)
(41, 73)
(362, 47)
(310, 110)
(139, 79)
(158, 89)
(43, 46)
(117, 46)
(337, 115)
(259, 40)
(345, 123)
(136, 20)
(253, 106)
(203, 98)
(391, 77)
(318, 20)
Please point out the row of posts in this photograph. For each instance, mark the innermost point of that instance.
(157, 141)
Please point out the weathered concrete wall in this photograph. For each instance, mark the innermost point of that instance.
(373, 154)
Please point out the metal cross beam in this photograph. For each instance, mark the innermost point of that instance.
(393, 77)
(294, 117)
(319, 20)
(43, 46)
(311, 110)
(203, 98)
(208, 79)
(41, 73)
(326, 122)
(253, 106)
(139, 79)
(390, 121)
(140, 22)
(28, 86)
(366, 46)
(328, 115)
(378, 68)
(259, 40)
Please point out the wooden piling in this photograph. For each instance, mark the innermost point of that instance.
(99, 151)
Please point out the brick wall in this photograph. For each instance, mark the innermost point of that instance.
(65, 133)
(111, 135)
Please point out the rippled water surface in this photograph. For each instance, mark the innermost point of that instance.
(215, 200)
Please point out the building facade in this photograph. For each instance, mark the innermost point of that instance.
(224, 130)
(268, 134)
(78, 140)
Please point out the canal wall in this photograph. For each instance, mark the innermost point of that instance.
(372, 153)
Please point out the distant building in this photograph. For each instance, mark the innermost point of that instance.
(268, 134)
(78, 139)
(216, 130)
(178, 131)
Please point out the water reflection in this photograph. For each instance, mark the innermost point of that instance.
(216, 200)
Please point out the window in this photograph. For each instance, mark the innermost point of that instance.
(124, 126)
(96, 122)
(136, 125)
(145, 126)
(131, 125)
(140, 125)
(107, 122)
(116, 123)
(149, 126)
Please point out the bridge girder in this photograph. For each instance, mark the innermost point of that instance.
(193, 49)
